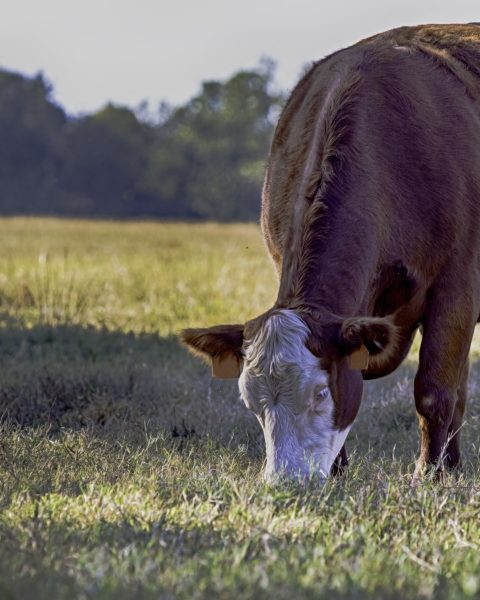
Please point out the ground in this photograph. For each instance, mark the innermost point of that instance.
(126, 472)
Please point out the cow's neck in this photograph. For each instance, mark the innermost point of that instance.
(331, 268)
(327, 259)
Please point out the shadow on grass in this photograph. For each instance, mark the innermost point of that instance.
(74, 377)
(387, 421)
(121, 383)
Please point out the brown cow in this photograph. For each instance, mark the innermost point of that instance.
(371, 213)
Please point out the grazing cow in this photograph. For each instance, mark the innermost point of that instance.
(371, 213)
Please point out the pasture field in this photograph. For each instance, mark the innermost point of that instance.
(126, 472)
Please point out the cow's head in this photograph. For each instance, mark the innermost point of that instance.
(298, 379)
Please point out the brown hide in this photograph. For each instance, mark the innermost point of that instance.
(371, 208)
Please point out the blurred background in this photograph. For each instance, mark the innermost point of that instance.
(162, 109)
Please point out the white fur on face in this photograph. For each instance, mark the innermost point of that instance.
(283, 384)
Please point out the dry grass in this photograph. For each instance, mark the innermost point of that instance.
(125, 471)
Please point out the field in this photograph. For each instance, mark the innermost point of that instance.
(126, 472)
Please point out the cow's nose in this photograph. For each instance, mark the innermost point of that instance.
(276, 474)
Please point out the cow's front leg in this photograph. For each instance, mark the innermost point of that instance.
(440, 383)
(435, 406)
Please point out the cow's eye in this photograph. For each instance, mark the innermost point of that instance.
(322, 394)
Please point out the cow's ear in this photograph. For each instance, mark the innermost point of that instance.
(377, 334)
(220, 346)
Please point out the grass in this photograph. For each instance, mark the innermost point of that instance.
(126, 472)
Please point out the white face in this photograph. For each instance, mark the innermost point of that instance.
(283, 384)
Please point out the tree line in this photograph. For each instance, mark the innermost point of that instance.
(202, 160)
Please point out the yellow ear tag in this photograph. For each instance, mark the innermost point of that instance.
(226, 366)
(358, 360)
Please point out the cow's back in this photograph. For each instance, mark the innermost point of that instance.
(384, 121)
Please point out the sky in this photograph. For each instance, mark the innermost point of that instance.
(126, 51)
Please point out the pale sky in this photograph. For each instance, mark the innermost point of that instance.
(125, 51)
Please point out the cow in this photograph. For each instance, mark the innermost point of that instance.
(371, 215)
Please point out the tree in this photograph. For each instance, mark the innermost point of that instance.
(31, 140)
(105, 160)
(203, 160)
(207, 160)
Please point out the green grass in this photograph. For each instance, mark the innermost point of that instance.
(126, 472)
